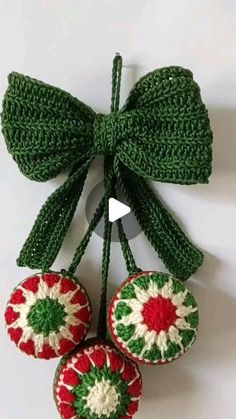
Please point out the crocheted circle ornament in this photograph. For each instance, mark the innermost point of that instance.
(153, 318)
(97, 382)
(48, 315)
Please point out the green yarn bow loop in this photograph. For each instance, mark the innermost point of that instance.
(171, 142)
(46, 130)
(162, 133)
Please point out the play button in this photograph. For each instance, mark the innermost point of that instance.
(117, 209)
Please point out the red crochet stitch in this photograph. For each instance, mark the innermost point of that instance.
(48, 315)
(97, 381)
(153, 318)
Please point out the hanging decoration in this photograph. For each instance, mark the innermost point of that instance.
(97, 381)
(48, 315)
(162, 133)
(153, 318)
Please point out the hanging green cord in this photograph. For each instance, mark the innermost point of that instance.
(102, 321)
(109, 183)
(79, 252)
(85, 241)
(126, 250)
(125, 247)
(116, 80)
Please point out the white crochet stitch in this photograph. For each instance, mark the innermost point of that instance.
(103, 398)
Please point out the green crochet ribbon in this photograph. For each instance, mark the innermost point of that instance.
(162, 133)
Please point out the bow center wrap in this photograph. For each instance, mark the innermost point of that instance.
(106, 134)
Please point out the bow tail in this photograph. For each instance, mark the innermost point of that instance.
(180, 256)
(45, 239)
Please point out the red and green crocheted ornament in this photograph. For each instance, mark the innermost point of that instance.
(97, 382)
(162, 133)
(153, 318)
(48, 315)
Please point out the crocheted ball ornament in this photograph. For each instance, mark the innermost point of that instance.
(153, 318)
(162, 133)
(48, 315)
(97, 382)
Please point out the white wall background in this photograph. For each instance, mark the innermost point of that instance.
(71, 44)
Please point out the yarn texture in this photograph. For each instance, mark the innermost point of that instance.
(97, 382)
(153, 318)
(162, 133)
(48, 315)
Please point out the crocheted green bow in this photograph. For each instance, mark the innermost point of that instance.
(162, 133)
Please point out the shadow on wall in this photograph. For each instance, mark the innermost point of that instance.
(222, 181)
(223, 122)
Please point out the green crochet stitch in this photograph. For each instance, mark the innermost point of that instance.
(162, 133)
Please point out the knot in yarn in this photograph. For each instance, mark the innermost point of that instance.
(106, 134)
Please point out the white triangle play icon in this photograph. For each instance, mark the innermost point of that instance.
(117, 209)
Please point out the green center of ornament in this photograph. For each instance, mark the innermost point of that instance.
(46, 316)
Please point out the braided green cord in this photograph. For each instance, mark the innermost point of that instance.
(85, 241)
(125, 247)
(116, 81)
(102, 322)
(126, 250)
(109, 183)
